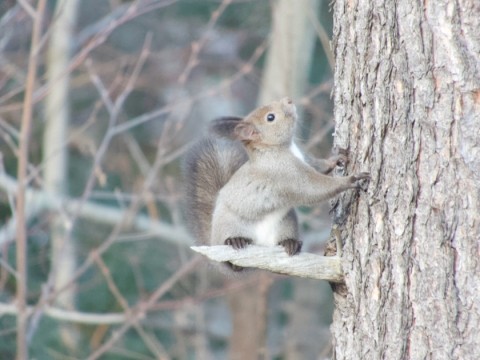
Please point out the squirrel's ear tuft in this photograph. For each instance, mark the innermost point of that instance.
(245, 131)
(225, 126)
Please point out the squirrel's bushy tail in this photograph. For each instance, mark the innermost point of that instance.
(208, 166)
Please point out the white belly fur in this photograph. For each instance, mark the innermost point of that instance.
(267, 230)
(296, 152)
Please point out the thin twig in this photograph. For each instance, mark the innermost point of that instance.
(197, 46)
(89, 318)
(102, 90)
(111, 284)
(134, 74)
(218, 88)
(131, 12)
(68, 315)
(28, 8)
(323, 36)
(83, 200)
(22, 318)
(142, 307)
(114, 118)
(128, 216)
(155, 347)
(40, 201)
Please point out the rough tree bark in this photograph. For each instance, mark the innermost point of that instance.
(407, 106)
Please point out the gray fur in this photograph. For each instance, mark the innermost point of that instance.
(272, 183)
(249, 189)
(208, 166)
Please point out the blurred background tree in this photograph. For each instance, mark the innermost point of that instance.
(117, 91)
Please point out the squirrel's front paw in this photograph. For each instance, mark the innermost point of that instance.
(238, 242)
(340, 158)
(292, 246)
(360, 180)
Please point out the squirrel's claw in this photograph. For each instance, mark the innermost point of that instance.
(238, 242)
(292, 246)
(362, 176)
(339, 160)
(361, 180)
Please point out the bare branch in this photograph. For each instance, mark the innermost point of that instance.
(305, 265)
(91, 318)
(323, 36)
(198, 45)
(21, 250)
(140, 310)
(28, 8)
(155, 347)
(69, 315)
(103, 92)
(119, 16)
(218, 88)
(40, 201)
(92, 40)
(144, 53)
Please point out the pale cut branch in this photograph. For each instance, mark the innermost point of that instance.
(305, 265)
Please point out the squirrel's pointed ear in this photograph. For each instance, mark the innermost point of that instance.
(245, 131)
(225, 126)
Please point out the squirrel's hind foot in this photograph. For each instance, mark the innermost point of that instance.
(234, 267)
(292, 246)
(238, 242)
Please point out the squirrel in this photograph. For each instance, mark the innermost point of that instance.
(244, 180)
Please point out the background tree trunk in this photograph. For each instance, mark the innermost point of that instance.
(55, 153)
(285, 74)
(290, 55)
(407, 107)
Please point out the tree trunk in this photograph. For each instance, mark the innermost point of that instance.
(290, 55)
(407, 107)
(285, 74)
(55, 153)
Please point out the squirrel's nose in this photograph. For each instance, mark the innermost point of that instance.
(288, 106)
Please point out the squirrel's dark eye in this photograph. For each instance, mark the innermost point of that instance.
(270, 117)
